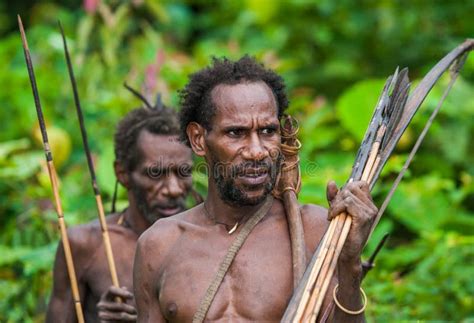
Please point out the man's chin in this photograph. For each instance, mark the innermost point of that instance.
(250, 198)
(159, 213)
(168, 211)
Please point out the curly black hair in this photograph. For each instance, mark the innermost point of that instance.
(196, 101)
(162, 121)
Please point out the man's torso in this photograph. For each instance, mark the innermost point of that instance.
(96, 277)
(258, 284)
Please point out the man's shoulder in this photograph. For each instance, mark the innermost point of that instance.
(313, 213)
(315, 223)
(83, 233)
(90, 233)
(165, 227)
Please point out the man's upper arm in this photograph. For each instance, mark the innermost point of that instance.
(315, 224)
(145, 277)
(61, 304)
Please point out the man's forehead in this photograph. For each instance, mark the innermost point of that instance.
(244, 92)
(237, 100)
(165, 148)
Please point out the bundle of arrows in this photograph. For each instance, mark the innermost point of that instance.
(393, 113)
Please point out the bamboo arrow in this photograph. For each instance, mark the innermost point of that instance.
(95, 186)
(53, 178)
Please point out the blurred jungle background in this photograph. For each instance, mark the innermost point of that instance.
(334, 56)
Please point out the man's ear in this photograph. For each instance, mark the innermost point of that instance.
(196, 134)
(121, 174)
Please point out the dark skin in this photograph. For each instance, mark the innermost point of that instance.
(178, 257)
(159, 194)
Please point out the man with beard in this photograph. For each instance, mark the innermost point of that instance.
(155, 168)
(230, 116)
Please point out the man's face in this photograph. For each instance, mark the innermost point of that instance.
(162, 179)
(243, 146)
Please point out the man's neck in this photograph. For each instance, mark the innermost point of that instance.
(134, 219)
(224, 212)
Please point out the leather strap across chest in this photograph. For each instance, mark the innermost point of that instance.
(211, 292)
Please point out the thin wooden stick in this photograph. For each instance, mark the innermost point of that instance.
(373, 153)
(95, 186)
(315, 270)
(337, 242)
(374, 169)
(330, 273)
(53, 179)
(339, 223)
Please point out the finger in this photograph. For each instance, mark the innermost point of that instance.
(357, 208)
(114, 292)
(336, 208)
(331, 191)
(363, 196)
(116, 307)
(364, 186)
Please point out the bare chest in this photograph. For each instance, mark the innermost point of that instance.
(98, 277)
(257, 286)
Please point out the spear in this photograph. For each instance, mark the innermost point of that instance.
(95, 186)
(53, 178)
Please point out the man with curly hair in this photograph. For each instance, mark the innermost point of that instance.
(155, 168)
(229, 258)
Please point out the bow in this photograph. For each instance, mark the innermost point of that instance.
(454, 60)
(307, 299)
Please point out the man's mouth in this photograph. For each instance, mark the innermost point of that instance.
(169, 210)
(254, 176)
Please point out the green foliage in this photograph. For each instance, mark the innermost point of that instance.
(334, 56)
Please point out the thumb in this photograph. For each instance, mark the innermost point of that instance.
(331, 191)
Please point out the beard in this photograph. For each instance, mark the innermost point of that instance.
(233, 194)
(150, 211)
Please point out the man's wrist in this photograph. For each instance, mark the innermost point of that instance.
(350, 267)
(348, 291)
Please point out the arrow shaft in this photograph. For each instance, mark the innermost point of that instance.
(53, 179)
(95, 186)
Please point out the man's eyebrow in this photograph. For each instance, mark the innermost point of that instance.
(231, 127)
(273, 126)
(153, 168)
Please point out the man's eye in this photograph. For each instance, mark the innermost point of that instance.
(268, 131)
(185, 171)
(155, 172)
(235, 132)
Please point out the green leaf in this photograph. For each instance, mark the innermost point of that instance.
(8, 147)
(356, 105)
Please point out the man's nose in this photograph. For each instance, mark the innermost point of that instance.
(254, 149)
(172, 186)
